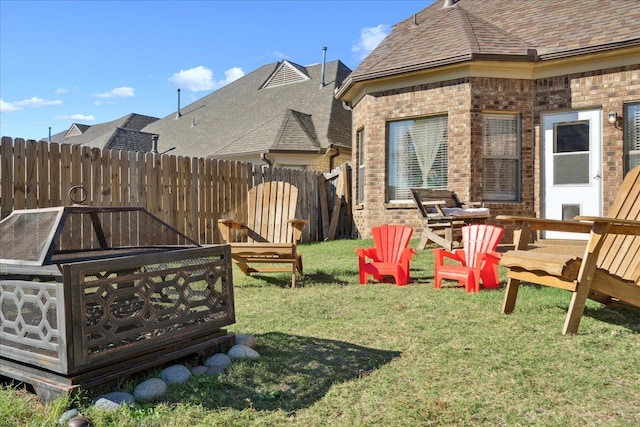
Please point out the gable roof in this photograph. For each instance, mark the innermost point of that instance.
(279, 107)
(449, 32)
(123, 133)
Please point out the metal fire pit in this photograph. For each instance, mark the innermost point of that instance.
(91, 294)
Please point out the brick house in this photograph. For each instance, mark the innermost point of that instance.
(532, 108)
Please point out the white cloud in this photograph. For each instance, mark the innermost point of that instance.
(194, 79)
(231, 75)
(61, 90)
(201, 78)
(33, 102)
(370, 38)
(80, 117)
(7, 107)
(119, 92)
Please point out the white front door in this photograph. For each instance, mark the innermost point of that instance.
(572, 167)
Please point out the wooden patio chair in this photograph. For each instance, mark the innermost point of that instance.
(445, 215)
(476, 262)
(607, 272)
(391, 255)
(272, 232)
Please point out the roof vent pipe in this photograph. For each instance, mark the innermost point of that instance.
(154, 144)
(324, 59)
(49, 134)
(178, 114)
(448, 3)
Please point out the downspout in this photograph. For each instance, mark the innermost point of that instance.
(332, 156)
(263, 157)
(154, 144)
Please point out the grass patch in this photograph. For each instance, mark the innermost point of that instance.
(337, 353)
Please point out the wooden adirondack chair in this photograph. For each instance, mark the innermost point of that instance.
(391, 255)
(445, 215)
(478, 259)
(608, 271)
(272, 233)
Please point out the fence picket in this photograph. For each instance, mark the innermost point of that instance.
(190, 194)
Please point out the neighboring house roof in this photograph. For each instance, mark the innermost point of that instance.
(449, 32)
(120, 134)
(280, 107)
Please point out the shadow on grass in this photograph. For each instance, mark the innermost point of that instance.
(293, 372)
(625, 316)
(334, 277)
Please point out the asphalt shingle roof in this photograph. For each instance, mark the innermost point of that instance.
(123, 133)
(242, 118)
(530, 30)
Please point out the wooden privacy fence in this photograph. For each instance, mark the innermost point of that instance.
(188, 193)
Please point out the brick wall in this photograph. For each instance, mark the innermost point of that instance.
(606, 89)
(464, 101)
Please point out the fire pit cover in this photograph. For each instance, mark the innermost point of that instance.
(39, 237)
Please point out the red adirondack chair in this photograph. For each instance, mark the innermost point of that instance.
(478, 259)
(391, 255)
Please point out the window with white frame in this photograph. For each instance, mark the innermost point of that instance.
(417, 153)
(361, 166)
(500, 157)
(631, 136)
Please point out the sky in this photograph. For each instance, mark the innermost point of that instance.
(89, 62)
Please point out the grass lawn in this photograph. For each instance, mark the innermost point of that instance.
(337, 353)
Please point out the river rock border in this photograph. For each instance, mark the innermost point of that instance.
(154, 388)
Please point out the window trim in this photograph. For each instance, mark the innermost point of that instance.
(626, 134)
(438, 159)
(517, 156)
(361, 166)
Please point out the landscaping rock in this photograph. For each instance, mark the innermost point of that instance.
(240, 351)
(215, 371)
(176, 374)
(199, 370)
(113, 400)
(150, 389)
(64, 418)
(246, 339)
(220, 360)
(79, 421)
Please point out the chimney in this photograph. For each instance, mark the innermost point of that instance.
(178, 114)
(324, 59)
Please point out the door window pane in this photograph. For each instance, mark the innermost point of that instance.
(571, 153)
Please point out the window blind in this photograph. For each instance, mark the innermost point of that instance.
(632, 136)
(417, 156)
(500, 151)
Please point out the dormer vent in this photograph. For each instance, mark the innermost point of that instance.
(286, 73)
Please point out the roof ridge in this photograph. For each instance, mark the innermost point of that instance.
(442, 15)
(475, 29)
(298, 120)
